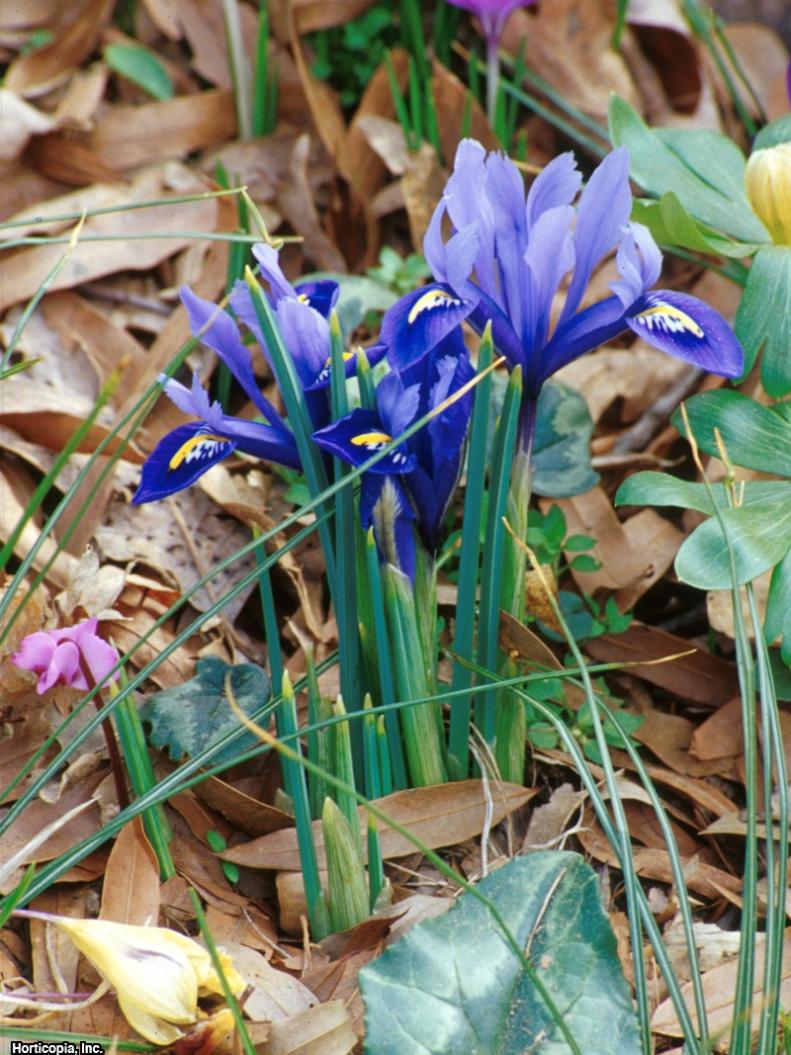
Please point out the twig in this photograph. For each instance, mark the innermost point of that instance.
(637, 436)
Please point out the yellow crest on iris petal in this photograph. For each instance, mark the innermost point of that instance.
(435, 298)
(201, 446)
(669, 318)
(767, 180)
(371, 439)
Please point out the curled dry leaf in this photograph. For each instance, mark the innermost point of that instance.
(568, 44)
(719, 988)
(439, 816)
(74, 39)
(24, 270)
(274, 995)
(20, 122)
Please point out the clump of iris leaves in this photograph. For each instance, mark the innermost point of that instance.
(378, 440)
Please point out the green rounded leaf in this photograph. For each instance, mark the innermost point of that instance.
(760, 537)
(140, 66)
(764, 317)
(705, 170)
(659, 489)
(754, 436)
(453, 986)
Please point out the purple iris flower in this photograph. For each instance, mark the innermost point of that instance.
(302, 314)
(492, 14)
(182, 456)
(67, 657)
(415, 482)
(521, 251)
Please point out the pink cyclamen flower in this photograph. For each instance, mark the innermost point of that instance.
(493, 14)
(66, 657)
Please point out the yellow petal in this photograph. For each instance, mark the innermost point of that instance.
(767, 180)
(153, 1029)
(151, 967)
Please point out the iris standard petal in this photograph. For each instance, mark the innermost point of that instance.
(556, 184)
(271, 273)
(506, 191)
(306, 335)
(179, 459)
(398, 404)
(687, 328)
(549, 257)
(467, 201)
(602, 213)
(355, 437)
(419, 321)
(217, 330)
(639, 264)
(193, 401)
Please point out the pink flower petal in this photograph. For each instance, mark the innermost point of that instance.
(64, 669)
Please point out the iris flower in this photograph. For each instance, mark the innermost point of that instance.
(521, 251)
(415, 481)
(67, 656)
(492, 14)
(187, 452)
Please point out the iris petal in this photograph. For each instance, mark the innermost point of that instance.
(687, 328)
(357, 436)
(419, 321)
(179, 459)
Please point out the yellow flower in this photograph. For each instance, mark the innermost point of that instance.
(767, 180)
(157, 973)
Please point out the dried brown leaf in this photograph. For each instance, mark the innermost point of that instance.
(439, 816)
(130, 893)
(326, 1029)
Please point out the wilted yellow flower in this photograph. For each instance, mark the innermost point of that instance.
(767, 180)
(157, 974)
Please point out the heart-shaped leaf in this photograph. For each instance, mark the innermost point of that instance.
(561, 461)
(190, 717)
(454, 986)
(659, 489)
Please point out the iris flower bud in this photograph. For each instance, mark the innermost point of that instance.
(768, 183)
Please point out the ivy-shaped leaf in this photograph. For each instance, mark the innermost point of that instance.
(190, 717)
(453, 986)
(561, 461)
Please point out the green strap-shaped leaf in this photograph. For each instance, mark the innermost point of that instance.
(140, 66)
(754, 436)
(704, 169)
(764, 317)
(453, 986)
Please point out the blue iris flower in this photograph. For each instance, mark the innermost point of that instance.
(414, 483)
(302, 313)
(507, 256)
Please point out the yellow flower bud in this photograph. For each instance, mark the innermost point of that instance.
(157, 973)
(768, 182)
